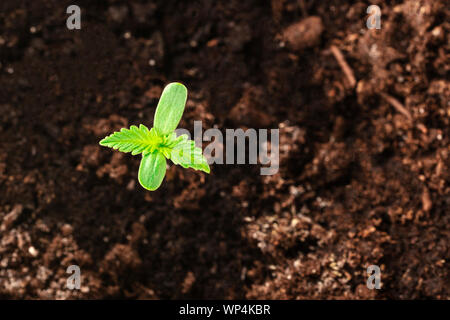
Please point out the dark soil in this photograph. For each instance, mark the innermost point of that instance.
(364, 162)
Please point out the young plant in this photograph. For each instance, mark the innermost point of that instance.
(160, 142)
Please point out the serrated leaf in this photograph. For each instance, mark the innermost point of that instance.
(152, 170)
(187, 155)
(135, 140)
(170, 108)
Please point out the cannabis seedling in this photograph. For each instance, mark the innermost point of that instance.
(160, 142)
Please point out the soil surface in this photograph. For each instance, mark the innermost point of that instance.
(364, 119)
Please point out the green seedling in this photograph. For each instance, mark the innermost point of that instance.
(160, 142)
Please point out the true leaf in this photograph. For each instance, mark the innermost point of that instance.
(187, 155)
(135, 140)
(152, 170)
(170, 108)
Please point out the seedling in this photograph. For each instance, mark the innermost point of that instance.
(160, 142)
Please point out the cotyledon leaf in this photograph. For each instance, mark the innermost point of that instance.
(170, 108)
(152, 170)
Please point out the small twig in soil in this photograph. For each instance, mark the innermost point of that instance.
(344, 65)
(397, 105)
